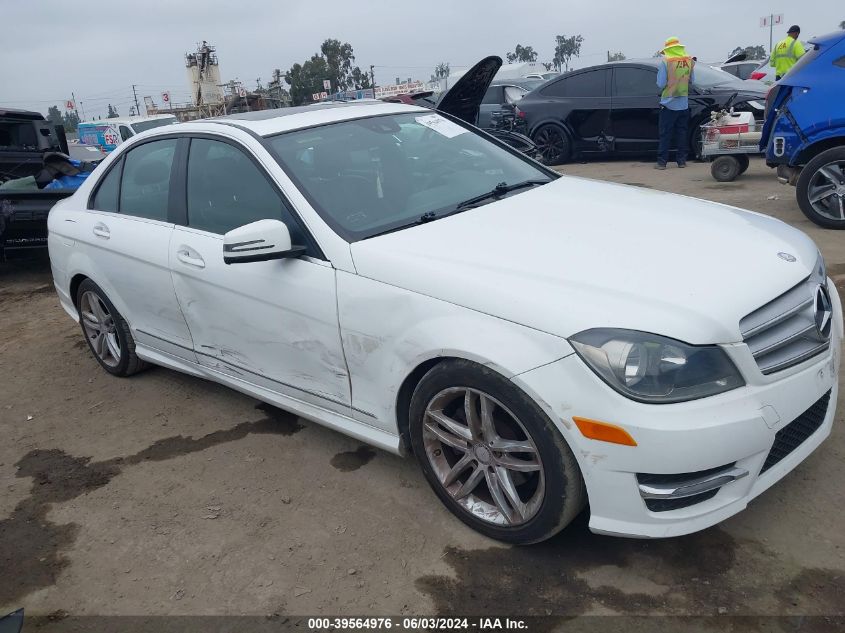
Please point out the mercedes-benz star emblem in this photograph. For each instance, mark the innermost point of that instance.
(823, 311)
(787, 257)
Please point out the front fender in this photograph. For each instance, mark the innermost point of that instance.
(387, 332)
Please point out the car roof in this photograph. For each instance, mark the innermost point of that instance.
(828, 39)
(268, 122)
(21, 114)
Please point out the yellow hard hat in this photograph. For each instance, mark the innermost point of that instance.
(671, 42)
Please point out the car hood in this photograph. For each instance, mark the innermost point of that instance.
(578, 254)
(463, 100)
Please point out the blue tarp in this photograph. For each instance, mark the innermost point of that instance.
(69, 182)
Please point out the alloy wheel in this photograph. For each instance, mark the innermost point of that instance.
(826, 191)
(100, 328)
(550, 143)
(483, 456)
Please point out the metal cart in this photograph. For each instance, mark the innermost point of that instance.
(728, 147)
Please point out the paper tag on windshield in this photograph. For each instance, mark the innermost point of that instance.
(441, 125)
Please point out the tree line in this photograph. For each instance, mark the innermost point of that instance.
(335, 63)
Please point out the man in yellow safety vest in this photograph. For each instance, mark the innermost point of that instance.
(674, 74)
(786, 52)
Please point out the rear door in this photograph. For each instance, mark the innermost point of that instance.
(582, 104)
(273, 324)
(635, 109)
(125, 234)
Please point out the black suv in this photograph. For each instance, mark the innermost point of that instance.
(612, 109)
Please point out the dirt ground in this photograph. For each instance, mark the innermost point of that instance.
(164, 494)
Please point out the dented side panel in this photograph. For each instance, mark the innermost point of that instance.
(387, 332)
(272, 324)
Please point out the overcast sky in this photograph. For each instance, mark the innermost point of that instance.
(98, 48)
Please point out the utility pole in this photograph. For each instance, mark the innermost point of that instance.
(373, 79)
(771, 27)
(75, 109)
(137, 107)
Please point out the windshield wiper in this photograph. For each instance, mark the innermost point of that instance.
(499, 190)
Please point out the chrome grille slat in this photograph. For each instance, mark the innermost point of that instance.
(783, 332)
(778, 319)
(762, 347)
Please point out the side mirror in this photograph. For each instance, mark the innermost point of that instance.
(259, 241)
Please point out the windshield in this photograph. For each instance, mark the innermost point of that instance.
(143, 126)
(373, 175)
(709, 77)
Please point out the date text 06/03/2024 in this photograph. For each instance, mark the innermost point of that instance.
(415, 623)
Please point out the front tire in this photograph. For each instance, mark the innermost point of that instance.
(820, 189)
(106, 331)
(553, 144)
(492, 455)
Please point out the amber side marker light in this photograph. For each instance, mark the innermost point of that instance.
(604, 432)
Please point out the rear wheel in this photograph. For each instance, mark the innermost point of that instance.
(106, 331)
(552, 144)
(821, 189)
(492, 456)
(725, 168)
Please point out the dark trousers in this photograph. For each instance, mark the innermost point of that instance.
(673, 125)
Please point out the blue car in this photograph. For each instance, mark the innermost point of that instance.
(804, 134)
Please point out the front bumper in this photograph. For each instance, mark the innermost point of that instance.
(734, 430)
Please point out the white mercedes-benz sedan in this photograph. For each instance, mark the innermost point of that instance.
(537, 342)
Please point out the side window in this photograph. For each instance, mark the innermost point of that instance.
(145, 186)
(734, 70)
(586, 84)
(107, 191)
(493, 95)
(227, 190)
(634, 82)
(125, 133)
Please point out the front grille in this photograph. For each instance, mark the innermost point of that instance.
(783, 332)
(793, 434)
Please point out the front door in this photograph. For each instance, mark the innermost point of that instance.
(635, 109)
(273, 324)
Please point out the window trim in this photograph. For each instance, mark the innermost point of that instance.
(313, 248)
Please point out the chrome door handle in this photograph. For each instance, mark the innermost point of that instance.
(185, 257)
(101, 230)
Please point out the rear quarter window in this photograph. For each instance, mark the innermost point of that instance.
(105, 199)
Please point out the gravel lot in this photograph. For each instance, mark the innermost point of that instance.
(165, 494)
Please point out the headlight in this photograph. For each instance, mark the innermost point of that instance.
(651, 368)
